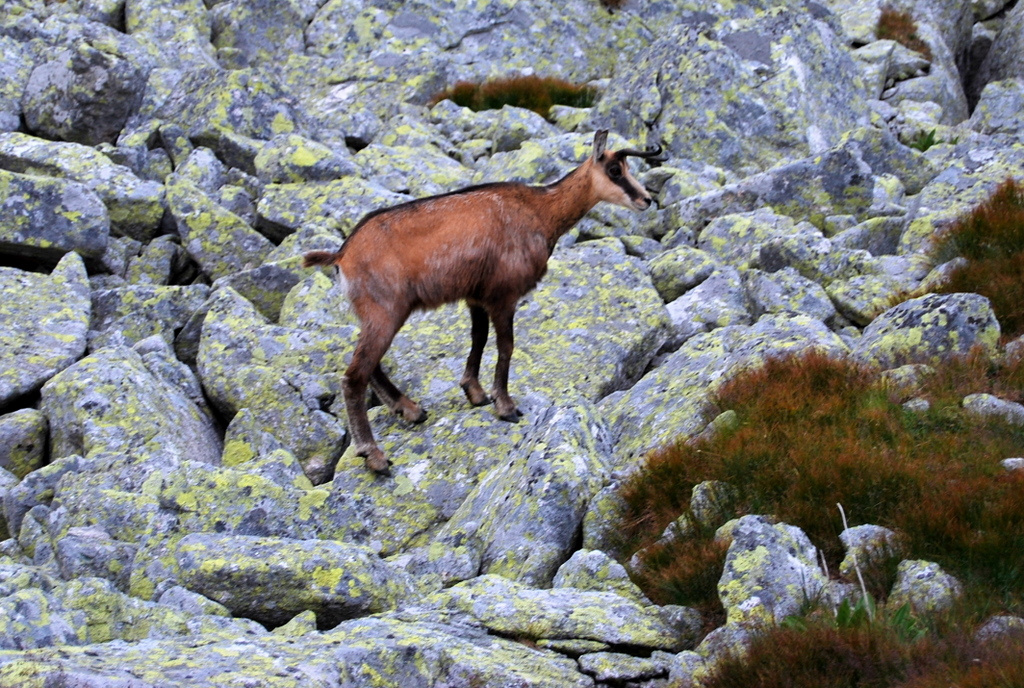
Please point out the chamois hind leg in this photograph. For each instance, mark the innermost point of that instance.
(394, 399)
(502, 318)
(471, 377)
(378, 329)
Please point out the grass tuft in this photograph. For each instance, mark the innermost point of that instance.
(529, 92)
(991, 238)
(897, 25)
(815, 431)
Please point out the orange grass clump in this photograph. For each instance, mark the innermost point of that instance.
(815, 431)
(899, 26)
(529, 92)
(991, 238)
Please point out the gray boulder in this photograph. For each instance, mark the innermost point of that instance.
(127, 315)
(45, 328)
(111, 402)
(999, 107)
(135, 206)
(770, 571)
(15, 68)
(929, 329)
(184, 24)
(793, 90)
(85, 91)
(989, 406)
(46, 218)
(925, 587)
(595, 570)
(1004, 60)
(23, 437)
(333, 579)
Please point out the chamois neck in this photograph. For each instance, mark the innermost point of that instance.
(569, 199)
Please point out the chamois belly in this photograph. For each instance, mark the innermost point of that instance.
(483, 277)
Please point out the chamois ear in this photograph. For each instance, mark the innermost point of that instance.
(600, 140)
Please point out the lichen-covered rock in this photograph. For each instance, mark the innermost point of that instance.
(291, 158)
(110, 402)
(680, 269)
(924, 586)
(248, 33)
(184, 24)
(15, 68)
(217, 239)
(326, 206)
(673, 400)
(718, 301)
(284, 375)
(786, 291)
(418, 171)
(273, 579)
(997, 112)
(134, 206)
(127, 315)
(23, 436)
(595, 570)
(92, 553)
(47, 218)
(989, 406)
(511, 608)
(615, 666)
(1004, 60)
(526, 512)
(85, 90)
(44, 326)
(772, 87)
(929, 329)
(770, 571)
(868, 548)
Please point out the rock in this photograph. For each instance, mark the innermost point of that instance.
(595, 570)
(247, 33)
(787, 98)
(85, 90)
(15, 68)
(1003, 60)
(925, 587)
(614, 666)
(44, 329)
(929, 329)
(110, 402)
(273, 579)
(541, 493)
(23, 436)
(1000, 627)
(718, 301)
(126, 316)
(787, 292)
(42, 218)
(868, 547)
(218, 240)
(91, 552)
(680, 269)
(510, 608)
(997, 107)
(134, 206)
(989, 406)
(673, 400)
(418, 171)
(290, 158)
(770, 571)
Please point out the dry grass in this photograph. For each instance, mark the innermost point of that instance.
(991, 238)
(899, 26)
(530, 92)
(815, 431)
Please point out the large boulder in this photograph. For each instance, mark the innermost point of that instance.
(135, 206)
(43, 218)
(44, 328)
(15, 68)
(111, 402)
(774, 87)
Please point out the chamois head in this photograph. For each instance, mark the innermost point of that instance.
(610, 174)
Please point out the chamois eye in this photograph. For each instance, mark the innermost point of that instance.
(614, 171)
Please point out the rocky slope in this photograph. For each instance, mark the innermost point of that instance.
(178, 505)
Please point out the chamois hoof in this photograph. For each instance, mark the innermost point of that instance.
(377, 462)
(476, 395)
(512, 416)
(413, 413)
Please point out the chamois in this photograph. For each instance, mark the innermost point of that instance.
(488, 245)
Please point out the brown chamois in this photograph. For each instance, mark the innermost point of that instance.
(488, 245)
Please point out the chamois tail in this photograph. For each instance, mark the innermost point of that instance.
(320, 258)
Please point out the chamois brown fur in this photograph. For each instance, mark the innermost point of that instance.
(488, 245)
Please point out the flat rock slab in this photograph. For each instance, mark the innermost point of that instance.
(43, 325)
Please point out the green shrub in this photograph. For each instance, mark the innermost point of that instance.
(529, 92)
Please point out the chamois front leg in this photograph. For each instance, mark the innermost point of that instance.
(502, 318)
(394, 398)
(471, 377)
